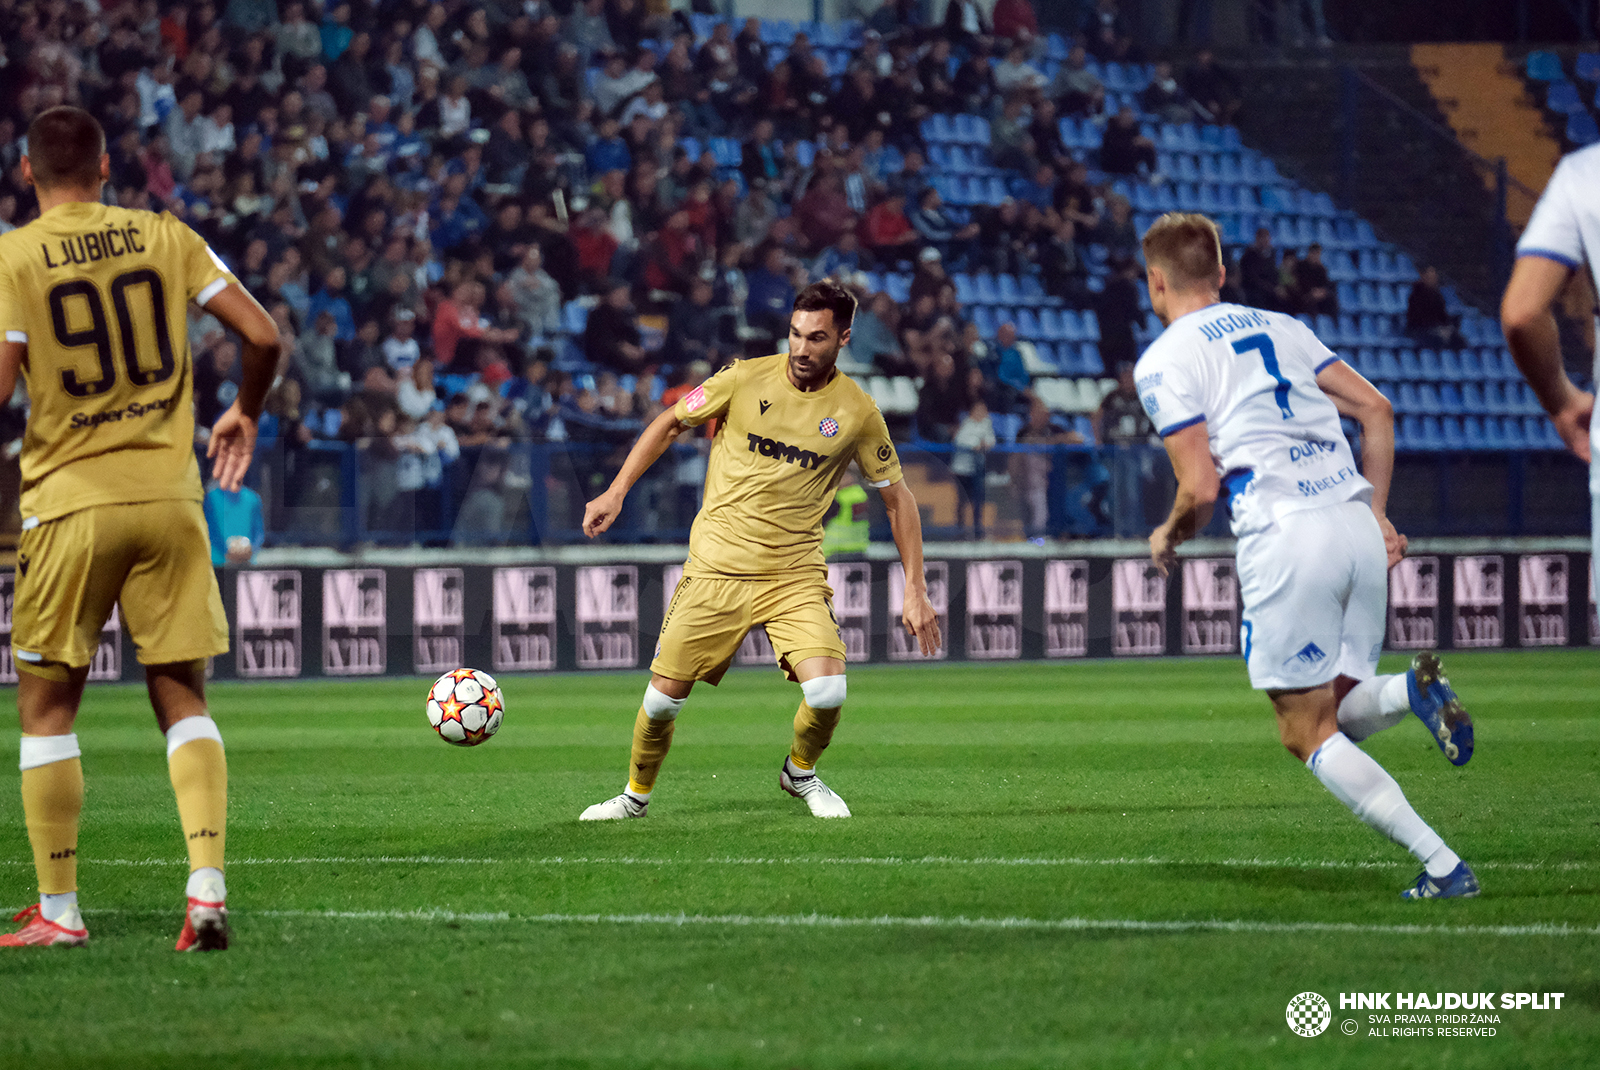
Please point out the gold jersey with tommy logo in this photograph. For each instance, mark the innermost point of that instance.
(778, 455)
(98, 294)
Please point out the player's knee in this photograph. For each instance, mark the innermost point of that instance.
(659, 706)
(824, 692)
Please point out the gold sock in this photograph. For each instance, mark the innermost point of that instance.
(651, 740)
(52, 799)
(813, 730)
(199, 771)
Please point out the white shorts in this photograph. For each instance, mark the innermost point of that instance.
(1316, 589)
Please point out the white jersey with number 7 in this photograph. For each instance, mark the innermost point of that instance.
(1251, 376)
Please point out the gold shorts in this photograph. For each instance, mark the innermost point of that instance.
(708, 618)
(151, 558)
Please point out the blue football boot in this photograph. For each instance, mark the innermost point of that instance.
(1462, 883)
(1436, 705)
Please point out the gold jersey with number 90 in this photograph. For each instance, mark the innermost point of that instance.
(99, 295)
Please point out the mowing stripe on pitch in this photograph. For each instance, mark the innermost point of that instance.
(832, 921)
(888, 861)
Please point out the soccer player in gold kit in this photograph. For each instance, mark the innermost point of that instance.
(787, 428)
(92, 315)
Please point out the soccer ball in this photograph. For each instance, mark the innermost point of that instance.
(465, 707)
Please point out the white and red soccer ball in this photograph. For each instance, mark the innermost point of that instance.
(465, 707)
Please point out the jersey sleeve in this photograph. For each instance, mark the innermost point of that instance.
(1316, 352)
(876, 458)
(204, 274)
(1169, 398)
(710, 399)
(1553, 231)
(13, 323)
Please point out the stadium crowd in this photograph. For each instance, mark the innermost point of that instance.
(479, 222)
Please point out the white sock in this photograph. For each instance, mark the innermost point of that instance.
(62, 909)
(795, 770)
(639, 797)
(206, 885)
(1372, 795)
(1373, 705)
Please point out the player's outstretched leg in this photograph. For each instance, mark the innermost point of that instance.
(652, 737)
(1363, 785)
(52, 800)
(1436, 706)
(818, 716)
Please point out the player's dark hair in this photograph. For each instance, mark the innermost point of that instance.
(64, 147)
(830, 296)
(1187, 247)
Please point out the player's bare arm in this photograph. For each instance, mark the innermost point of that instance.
(1530, 327)
(1359, 400)
(906, 524)
(1198, 483)
(599, 514)
(233, 437)
(11, 357)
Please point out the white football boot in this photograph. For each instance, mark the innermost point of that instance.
(616, 809)
(824, 802)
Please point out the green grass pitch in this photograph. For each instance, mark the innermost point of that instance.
(1050, 865)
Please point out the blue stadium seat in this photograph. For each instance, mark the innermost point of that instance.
(1472, 398)
(899, 286)
(1408, 433)
(1494, 398)
(1450, 399)
(987, 289)
(966, 291)
(574, 317)
(1007, 425)
(938, 128)
(984, 318)
(1514, 437)
(1405, 399)
(1029, 327)
(1428, 365)
(1581, 129)
(1473, 434)
(1589, 66)
(1563, 99)
(1545, 67)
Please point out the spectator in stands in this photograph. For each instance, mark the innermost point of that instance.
(886, 231)
(1120, 423)
(1006, 380)
(331, 298)
(1213, 88)
(415, 394)
(537, 297)
(948, 238)
(586, 30)
(596, 247)
(966, 24)
(1062, 264)
(1289, 280)
(460, 317)
(1010, 145)
(692, 327)
(611, 337)
(1428, 320)
(771, 293)
(1116, 230)
(1014, 74)
(1106, 32)
(969, 462)
(1117, 309)
(974, 82)
(1258, 266)
(1076, 89)
(935, 77)
(317, 361)
(1030, 471)
(875, 333)
(1015, 20)
(1165, 98)
(1314, 292)
(942, 399)
(1002, 238)
(824, 214)
(1124, 150)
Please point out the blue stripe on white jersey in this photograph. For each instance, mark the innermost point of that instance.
(1251, 376)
